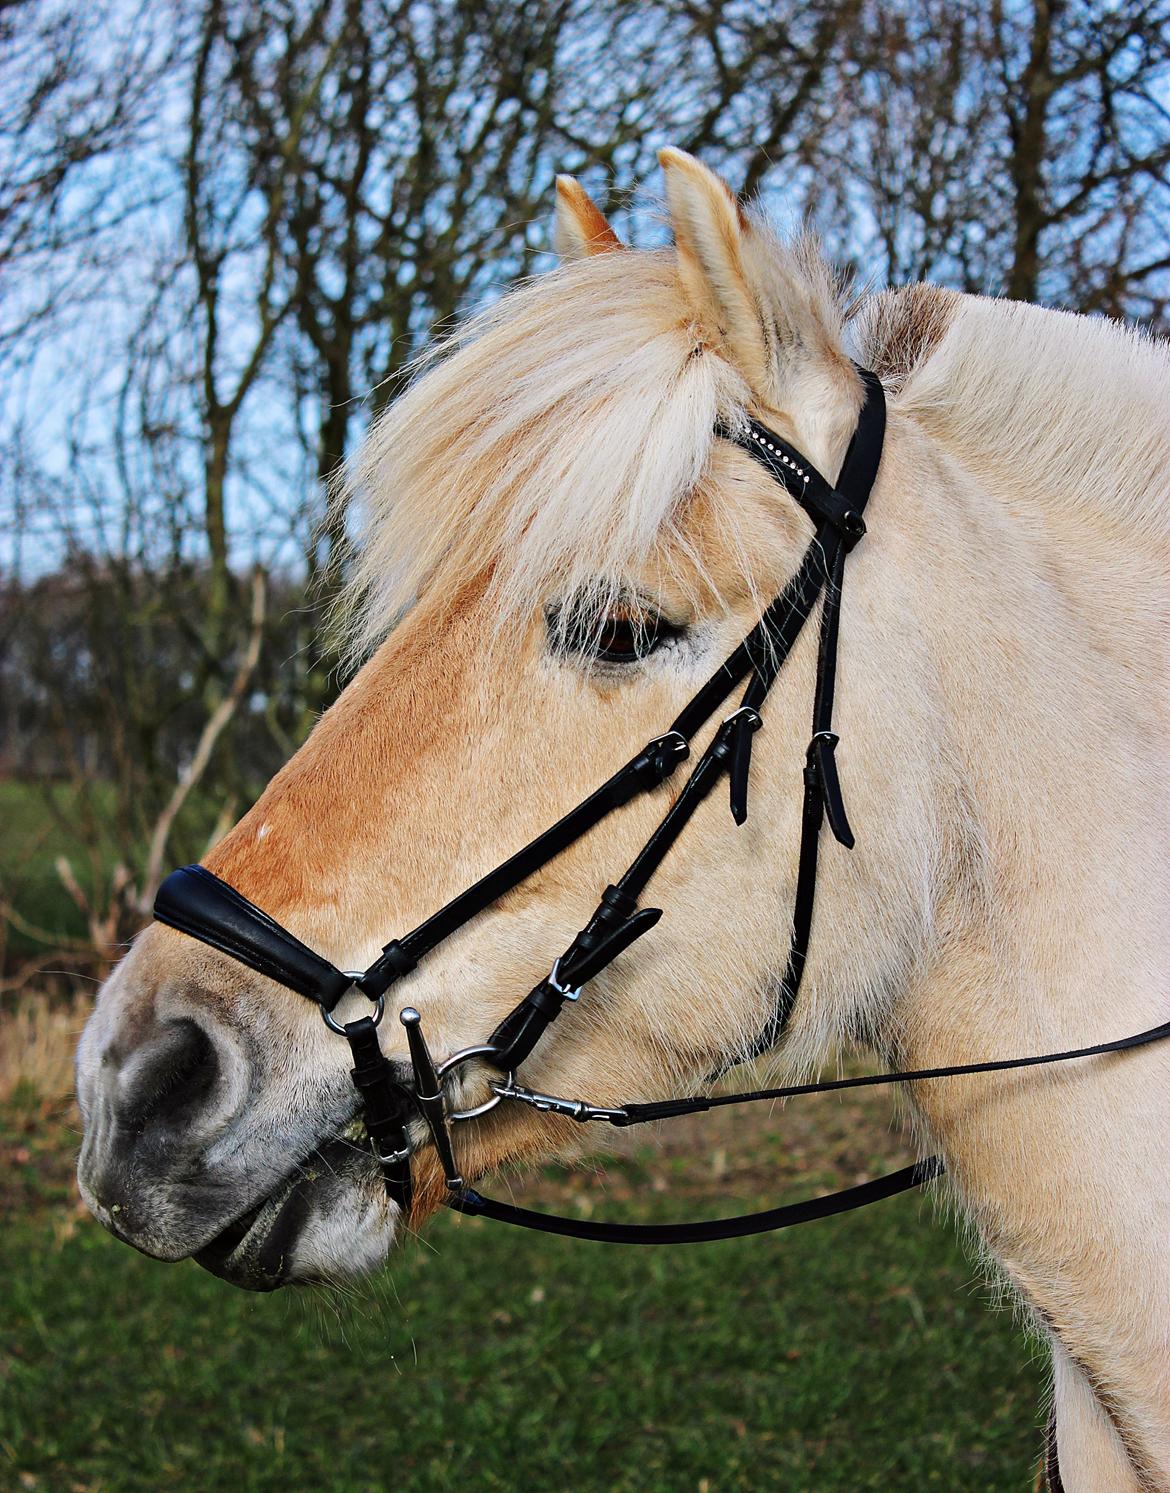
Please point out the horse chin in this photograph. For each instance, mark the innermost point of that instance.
(328, 1222)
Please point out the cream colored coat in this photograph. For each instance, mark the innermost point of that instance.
(1003, 711)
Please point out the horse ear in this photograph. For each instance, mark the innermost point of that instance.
(580, 228)
(711, 234)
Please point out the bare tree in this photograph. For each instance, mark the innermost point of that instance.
(79, 89)
(1084, 98)
(227, 227)
(1012, 149)
(328, 182)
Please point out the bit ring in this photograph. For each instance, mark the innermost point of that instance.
(464, 1055)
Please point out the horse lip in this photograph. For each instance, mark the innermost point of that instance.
(229, 1257)
(217, 1251)
(254, 1250)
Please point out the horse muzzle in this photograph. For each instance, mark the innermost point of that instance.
(178, 1157)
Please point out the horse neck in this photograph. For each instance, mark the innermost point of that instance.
(1049, 677)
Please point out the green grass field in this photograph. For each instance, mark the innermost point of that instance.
(857, 1353)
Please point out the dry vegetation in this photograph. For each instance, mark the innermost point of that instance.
(38, 1036)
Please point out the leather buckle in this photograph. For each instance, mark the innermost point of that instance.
(552, 980)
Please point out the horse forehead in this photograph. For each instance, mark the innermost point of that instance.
(397, 717)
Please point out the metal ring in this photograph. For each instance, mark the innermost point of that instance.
(379, 1005)
(481, 1109)
(465, 1055)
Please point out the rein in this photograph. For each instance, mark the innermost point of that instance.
(198, 903)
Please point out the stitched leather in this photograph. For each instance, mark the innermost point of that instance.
(198, 903)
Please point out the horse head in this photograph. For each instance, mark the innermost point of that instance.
(559, 549)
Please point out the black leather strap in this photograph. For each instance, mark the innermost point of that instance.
(198, 903)
(642, 774)
(669, 1109)
(386, 1108)
(704, 1231)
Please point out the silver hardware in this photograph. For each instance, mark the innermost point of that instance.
(465, 1055)
(561, 990)
(573, 1109)
(379, 1004)
(428, 1096)
(684, 744)
(747, 710)
(479, 1109)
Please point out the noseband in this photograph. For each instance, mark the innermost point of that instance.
(198, 903)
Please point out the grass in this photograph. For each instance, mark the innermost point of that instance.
(857, 1353)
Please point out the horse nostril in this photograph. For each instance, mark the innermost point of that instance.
(173, 1078)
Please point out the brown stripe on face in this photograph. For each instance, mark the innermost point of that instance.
(361, 768)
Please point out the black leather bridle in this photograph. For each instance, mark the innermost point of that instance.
(199, 903)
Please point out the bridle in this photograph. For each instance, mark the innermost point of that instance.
(200, 904)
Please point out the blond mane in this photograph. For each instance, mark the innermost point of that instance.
(1067, 409)
(551, 443)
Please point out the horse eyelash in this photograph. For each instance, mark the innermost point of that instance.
(576, 630)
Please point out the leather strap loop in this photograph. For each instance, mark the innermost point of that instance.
(588, 957)
(747, 723)
(704, 1231)
(386, 1109)
(821, 772)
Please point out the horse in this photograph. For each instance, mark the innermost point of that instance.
(557, 547)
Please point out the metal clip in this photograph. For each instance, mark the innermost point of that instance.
(572, 1109)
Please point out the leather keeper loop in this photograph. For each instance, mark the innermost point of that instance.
(655, 763)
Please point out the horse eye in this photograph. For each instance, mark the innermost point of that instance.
(622, 640)
(619, 638)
